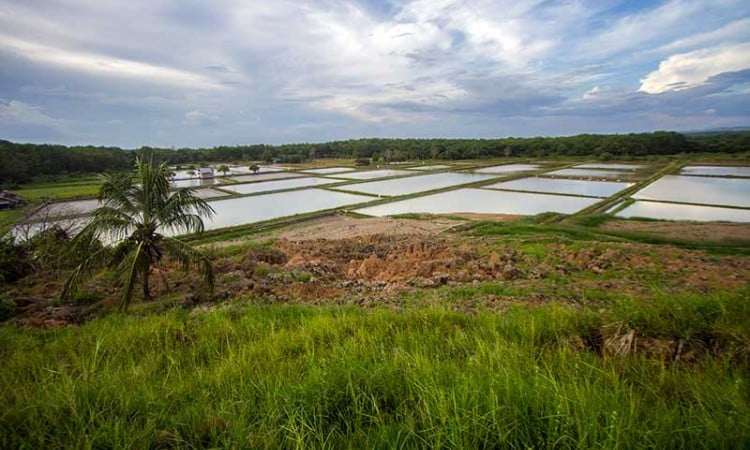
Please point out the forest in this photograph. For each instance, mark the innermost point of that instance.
(23, 162)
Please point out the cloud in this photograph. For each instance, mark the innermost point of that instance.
(691, 69)
(200, 118)
(106, 66)
(142, 72)
(17, 112)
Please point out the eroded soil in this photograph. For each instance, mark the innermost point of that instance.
(401, 262)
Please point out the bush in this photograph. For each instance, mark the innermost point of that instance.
(362, 162)
(15, 260)
(7, 309)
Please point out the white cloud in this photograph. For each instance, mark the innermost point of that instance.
(737, 31)
(592, 93)
(106, 65)
(691, 69)
(200, 118)
(17, 112)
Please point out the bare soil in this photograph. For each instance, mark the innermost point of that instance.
(385, 261)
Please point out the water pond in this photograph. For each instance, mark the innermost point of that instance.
(372, 174)
(328, 170)
(562, 186)
(592, 173)
(433, 167)
(482, 201)
(262, 177)
(611, 166)
(725, 171)
(195, 182)
(671, 211)
(245, 210)
(509, 168)
(419, 183)
(278, 185)
(702, 190)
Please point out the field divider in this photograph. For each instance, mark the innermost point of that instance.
(604, 205)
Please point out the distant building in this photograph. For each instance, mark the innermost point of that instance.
(10, 201)
(205, 172)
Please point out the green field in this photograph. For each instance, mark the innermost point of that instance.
(301, 377)
(599, 337)
(36, 192)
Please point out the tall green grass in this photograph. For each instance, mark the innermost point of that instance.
(296, 377)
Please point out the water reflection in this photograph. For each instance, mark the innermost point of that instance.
(611, 166)
(433, 167)
(328, 170)
(246, 210)
(671, 211)
(716, 171)
(561, 186)
(372, 174)
(482, 201)
(509, 168)
(703, 190)
(593, 173)
(267, 186)
(419, 183)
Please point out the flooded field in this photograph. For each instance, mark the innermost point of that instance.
(245, 210)
(701, 190)
(433, 167)
(593, 173)
(372, 174)
(482, 201)
(509, 168)
(419, 183)
(560, 186)
(267, 186)
(195, 182)
(328, 170)
(262, 177)
(611, 166)
(719, 171)
(672, 211)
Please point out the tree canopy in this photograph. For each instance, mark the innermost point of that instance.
(138, 213)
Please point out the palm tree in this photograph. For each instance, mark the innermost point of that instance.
(136, 210)
(223, 169)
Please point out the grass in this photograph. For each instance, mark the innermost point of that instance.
(298, 377)
(35, 192)
(583, 228)
(8, 218)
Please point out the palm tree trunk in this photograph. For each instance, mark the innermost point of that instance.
(146, 292)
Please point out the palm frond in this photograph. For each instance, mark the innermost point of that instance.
(133, 264)
(83, 271)
(186, 255)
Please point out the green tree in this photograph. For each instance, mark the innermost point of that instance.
(223, 169)
(255, 168)
(136, 209)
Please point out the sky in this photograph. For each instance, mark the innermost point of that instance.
(196, 73)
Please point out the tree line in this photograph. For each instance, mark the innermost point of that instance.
(21, 162)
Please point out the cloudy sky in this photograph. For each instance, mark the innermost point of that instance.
(204, 73)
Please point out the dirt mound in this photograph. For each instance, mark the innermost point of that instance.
(385, 258)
